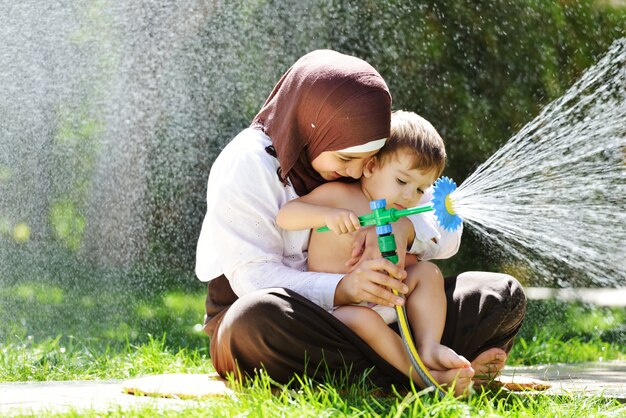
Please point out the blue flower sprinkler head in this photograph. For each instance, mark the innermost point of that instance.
(442, 204)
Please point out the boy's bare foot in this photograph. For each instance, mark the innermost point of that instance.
(460, 378)
(488, 365)
(439, 357)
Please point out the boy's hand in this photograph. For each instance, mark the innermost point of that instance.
(342, 221)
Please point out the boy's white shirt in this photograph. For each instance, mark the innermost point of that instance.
(240, 238)
(446, 243)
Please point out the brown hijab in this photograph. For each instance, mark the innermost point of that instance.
(326, 101)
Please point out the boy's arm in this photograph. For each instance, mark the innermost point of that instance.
(318, 209)
(296, 215)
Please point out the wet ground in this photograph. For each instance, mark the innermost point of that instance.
(587, 379)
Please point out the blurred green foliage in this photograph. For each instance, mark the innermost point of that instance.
(478, 70)
(80, 128)
(101, 313)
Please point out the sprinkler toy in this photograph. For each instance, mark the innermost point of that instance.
(381, 217)
(443, 205)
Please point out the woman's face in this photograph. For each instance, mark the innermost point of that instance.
(332, 165)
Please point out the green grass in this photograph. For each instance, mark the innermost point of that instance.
(103, 331)
(55, 333)
(561, 332)
(123, 351)
(69, 359)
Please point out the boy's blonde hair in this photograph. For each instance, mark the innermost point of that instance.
(412, 134)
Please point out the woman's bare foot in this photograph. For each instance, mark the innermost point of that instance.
(439, 357)
(460, 379)
(488, 365)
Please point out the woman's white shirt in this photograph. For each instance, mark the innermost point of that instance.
(240, 238)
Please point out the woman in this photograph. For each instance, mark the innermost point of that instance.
(326, 116)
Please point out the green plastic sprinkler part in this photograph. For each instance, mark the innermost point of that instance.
(384, 216)
(382, 219)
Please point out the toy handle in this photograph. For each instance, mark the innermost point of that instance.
(387, 216)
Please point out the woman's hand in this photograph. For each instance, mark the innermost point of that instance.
(365, 244)
(372, 281)
(364, 247)
(341, 221)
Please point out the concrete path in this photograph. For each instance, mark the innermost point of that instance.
(598, 378)
(595, 296)
(591, 379)
(40, 397)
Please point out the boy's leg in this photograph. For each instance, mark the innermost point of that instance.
(426, 311)
(372, 329)
(388, 344)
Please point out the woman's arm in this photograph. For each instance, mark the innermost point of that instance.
(239, 236)
(252, 256)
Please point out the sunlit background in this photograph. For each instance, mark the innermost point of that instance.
(111, 114)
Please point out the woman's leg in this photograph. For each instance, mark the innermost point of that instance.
(485, 313)
(286, 334)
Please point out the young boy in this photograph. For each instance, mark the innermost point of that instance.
(409, 163)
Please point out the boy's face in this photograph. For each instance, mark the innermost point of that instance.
(395, 181)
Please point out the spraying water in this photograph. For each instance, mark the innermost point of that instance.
(111, 114)
(554, 195)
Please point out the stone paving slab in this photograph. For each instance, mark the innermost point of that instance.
(592, 379)
(597, 378)
(40, 397)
